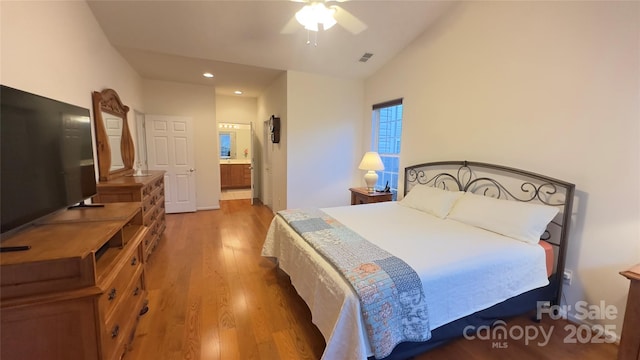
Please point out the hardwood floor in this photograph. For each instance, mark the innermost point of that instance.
(212, 296)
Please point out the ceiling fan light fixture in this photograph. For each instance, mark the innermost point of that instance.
(311, 26)
(329, 20)
(310, 16)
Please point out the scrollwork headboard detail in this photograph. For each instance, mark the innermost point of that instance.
(505, 183)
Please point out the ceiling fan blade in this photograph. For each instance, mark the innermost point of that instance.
(291, 26)
(348, 20)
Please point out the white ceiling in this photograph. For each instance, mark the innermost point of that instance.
(241, 43)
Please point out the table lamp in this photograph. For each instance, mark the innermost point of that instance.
(371, 162)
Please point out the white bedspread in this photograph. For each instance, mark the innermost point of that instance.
(463, 269)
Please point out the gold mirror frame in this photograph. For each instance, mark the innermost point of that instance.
(109, 102)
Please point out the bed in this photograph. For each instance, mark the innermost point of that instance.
(477, 242)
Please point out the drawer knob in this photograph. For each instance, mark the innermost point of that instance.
(112, 294)
(134, 261)
(115, 331)
(136, 291)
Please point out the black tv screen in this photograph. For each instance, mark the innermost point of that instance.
(46, 157)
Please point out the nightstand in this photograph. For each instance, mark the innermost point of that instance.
(361, 196)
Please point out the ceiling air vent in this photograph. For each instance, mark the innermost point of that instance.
(366, 57)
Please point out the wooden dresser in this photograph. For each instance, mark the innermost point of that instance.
(78, 292)
(148, 190)
(629, 348)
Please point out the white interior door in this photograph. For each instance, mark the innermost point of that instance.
(170, 148)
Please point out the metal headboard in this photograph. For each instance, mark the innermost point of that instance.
(505, 183)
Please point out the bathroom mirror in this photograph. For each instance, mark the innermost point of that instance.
(113, 138)
(228, 145)
(235, 141)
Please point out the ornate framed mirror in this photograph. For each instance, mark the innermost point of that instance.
(113, 139)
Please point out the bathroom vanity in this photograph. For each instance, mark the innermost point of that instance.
(234, 175)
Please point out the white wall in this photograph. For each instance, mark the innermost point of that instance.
(316, 161)
(273, 175)
(58, 50)
(324, 132)
(199, 103)
(551, 87)
(238, 110)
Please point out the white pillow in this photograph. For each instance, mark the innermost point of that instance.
(522, 221)
(434, 201)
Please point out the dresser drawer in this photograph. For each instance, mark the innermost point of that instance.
(147, 204)
(159, 183)
(116, 291)
(152, 215)
(147, 189)
(120, 325)
(153, 187)
(149, 241)
(156, 196)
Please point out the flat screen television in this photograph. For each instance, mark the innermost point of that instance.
(46, 154)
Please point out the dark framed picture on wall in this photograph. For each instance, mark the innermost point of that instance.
(274, 127)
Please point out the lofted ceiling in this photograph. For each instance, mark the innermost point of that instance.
(242, 42)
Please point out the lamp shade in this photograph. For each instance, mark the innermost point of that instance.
(371, 161)
(311, 15)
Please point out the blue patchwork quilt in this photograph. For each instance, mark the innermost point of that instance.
(392, 300)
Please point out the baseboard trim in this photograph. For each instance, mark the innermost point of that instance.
(213, 207)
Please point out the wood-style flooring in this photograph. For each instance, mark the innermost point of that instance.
(212, 296)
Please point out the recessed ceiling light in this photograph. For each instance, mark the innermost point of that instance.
(207, 75)
(238, 92)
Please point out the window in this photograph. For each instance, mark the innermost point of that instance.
(386, 133)
(227, 145)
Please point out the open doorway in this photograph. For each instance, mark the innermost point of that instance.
(236, 161)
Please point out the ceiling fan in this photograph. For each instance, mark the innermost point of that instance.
(319, 14)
